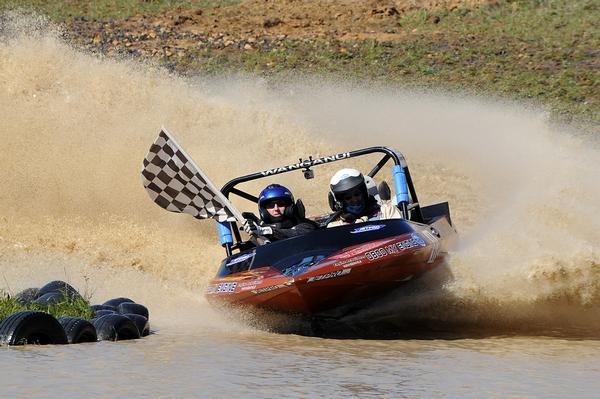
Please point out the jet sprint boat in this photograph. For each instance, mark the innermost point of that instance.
(323, 270)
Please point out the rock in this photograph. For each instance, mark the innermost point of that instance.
(181, 19)
(391, 11)
(271, 22)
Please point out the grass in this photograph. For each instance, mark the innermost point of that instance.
(545, 51)
(61, 10)
(69, 307)
(541, 51)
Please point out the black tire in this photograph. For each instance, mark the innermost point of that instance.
(141, 323)
(78, 330)
(115, 327)
(100, 313)
(117, 301)
(31, 327)
(26, 296)
(135, 308)
(62, 287)
(102, 307)
(50, 298)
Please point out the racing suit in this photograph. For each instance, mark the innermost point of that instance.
(289, 228)
(374, 211)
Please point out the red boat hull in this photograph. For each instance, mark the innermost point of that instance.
(348, 276)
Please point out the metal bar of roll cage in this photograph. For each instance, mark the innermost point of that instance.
(306, 164)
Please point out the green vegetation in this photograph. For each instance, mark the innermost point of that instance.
(547, 51)
(61, 10)
(68, 307)
(544, 51)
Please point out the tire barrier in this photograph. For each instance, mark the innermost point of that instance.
(100, 313)
(135, 308)
(141, 322)
(102, 307)
(31, 327)
(116, 301)
(78, 330)
(61, 287)
(115, 320)
(115, 327)
(27, 296)
(49, 298)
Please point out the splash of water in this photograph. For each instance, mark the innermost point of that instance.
(524, 197)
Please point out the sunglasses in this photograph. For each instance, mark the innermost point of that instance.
(280, 203)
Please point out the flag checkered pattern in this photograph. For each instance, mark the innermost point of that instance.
(174, 182)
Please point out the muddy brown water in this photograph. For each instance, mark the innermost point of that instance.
(520, 319)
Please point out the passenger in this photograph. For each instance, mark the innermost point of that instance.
(350, 195)
(280, 217)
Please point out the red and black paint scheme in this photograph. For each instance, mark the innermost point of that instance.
(332, 268)
(324, 269)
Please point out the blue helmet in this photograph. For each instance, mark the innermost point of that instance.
(273, 192)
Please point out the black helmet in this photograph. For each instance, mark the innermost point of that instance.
(345, 181)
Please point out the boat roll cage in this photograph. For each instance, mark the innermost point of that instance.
(406, 196)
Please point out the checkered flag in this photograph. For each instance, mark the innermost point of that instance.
(175, 183)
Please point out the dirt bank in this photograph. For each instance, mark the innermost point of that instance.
(258, 24)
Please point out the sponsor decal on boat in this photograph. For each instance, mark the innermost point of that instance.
(414, 241)
(356, 262)
(358, 250)
(226, 287)
(435, 245)
(272, 287)
(240, 259)
(305, 164)
(326, 276)
(377, 253)
(371, 227)
(247, 283)
(417, 239)
(349, 262)
(211, 288)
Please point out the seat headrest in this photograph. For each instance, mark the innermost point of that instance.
(384, 191)
(300, 210)
(332, 202)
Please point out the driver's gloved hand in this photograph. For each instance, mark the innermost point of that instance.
(254, 229)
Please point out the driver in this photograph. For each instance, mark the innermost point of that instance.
(280, 216)
(350, 196)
